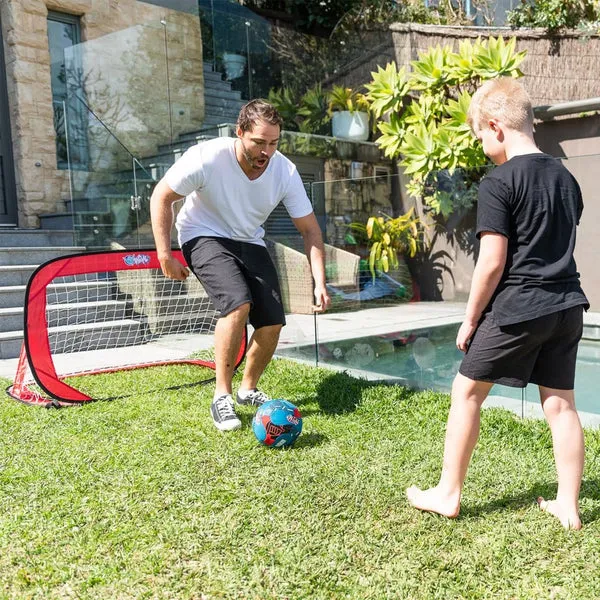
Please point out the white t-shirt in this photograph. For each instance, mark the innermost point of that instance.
(220, 199)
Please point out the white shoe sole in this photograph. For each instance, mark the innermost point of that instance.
(228, 425)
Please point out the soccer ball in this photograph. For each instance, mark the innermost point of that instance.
(277, 423)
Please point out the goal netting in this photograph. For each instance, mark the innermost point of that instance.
(104, 312)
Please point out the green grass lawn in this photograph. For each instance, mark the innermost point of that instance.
(141, 497)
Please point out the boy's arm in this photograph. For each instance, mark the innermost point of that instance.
(487, 274)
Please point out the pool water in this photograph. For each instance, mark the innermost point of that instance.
(429, 359)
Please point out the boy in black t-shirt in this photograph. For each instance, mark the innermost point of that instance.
(524, 315)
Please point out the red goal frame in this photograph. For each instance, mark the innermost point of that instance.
(36, 352)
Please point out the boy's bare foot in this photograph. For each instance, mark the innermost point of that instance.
(433, 500)
(568, 518)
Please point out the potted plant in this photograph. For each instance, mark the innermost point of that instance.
(234, 64)
(389, 239)
(349, 110)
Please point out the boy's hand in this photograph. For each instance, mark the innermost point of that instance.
(465, 333)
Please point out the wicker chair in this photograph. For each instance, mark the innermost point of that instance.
(342, 271)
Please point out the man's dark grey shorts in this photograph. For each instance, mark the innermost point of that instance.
(541, 351)
(235, 273)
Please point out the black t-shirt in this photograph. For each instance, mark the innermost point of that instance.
(536, 203)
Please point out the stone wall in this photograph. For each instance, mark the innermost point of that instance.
(138, 91)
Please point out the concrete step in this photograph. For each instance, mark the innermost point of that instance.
(174, 315)
(168, 157)
(56, 221)
(215, 120)
(81, 291)
(186, 141)
(62, 315)
(97, 336)
(12, 296)
(88, 336)
(228, 112)
(98, 204)
(224, 93)
(216, 84)
(10, 344)
(215, 105)
(213, 76)
(11, 319)
(35, 237)
(28, 255)
(16, 274)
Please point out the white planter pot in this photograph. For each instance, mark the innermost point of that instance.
(234, 65)
(347, 125)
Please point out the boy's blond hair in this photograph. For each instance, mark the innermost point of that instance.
(504, 99)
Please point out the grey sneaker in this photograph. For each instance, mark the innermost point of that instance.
(254, 398)
(223, 413)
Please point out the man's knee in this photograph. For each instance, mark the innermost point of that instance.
(269, 331)
(240, 312)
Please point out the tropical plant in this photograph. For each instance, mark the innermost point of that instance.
(387, 237)
(286, 103)
(344, 98)
(313, 111)
(307, 114)
(422, 116)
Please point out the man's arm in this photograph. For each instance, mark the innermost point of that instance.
(487, 274)
(315, 251)
(161, 213)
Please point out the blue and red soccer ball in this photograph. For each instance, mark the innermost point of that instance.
(277, 423)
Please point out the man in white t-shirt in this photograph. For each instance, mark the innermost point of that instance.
(231, 186)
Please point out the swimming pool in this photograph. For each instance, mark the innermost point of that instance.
(427, 358)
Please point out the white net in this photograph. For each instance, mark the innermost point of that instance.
(141, 312)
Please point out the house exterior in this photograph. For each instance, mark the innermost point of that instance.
(88, 87)
(38, 38)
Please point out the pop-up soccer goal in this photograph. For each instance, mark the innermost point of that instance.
(103, 312)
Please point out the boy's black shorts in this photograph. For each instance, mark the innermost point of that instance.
(541, 351)
(235, 273)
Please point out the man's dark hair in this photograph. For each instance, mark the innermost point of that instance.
(258, 110)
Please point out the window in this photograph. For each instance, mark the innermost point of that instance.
(64, 32)
(8, 198)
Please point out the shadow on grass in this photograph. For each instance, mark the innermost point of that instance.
(341, 393)
(310, 440)
(155, 390)
(590, 489)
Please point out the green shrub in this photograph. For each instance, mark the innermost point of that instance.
(422, 117)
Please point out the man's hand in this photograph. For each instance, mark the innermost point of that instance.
(465, 333)
(322, 300)
(173, 269)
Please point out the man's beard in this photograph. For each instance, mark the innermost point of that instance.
(251, 160)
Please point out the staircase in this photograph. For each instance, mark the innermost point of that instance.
(99, 215)
(101, 212)
(21, 252)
